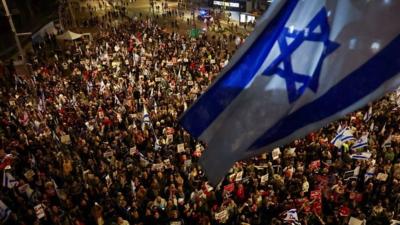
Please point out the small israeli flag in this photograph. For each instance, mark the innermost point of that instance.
(368, 114)
(362, 156)
(346, 134)
(146, 118)
(361, 143)
(270, 93)
(388, 142)
(337, 140)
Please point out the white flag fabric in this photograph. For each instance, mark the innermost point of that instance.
(347, 136)
(270, 93)
(361, 143)
(368, 114)
(383, 129)
(388, 142)
(343, 135)
(9, 181)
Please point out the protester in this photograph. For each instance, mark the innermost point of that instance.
(93, 138)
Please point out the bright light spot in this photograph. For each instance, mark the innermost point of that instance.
(387, 2)
(375, 46)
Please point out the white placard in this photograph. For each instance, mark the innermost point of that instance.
(180, 148)
(239, 176)
(39, 210)
(157, 166)
(275, 153)
(382, 176)
(221, 216)
(355, 221)
(264, 178)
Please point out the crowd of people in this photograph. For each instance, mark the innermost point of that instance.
(93, 138)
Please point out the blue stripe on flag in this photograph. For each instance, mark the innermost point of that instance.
(359, 157)
(360, 145)
(228, 87)
(338, 136)
(347, 138)
(380, 68)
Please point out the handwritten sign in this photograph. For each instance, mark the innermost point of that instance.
(264, 178)
(170, 138)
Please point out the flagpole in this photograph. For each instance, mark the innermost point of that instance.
(71, 12)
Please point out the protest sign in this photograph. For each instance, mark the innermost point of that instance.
(221, 216)
(39, 211)
(188, 163)
(180, 148)
(355, 221)
(170, 138)
(275, 153)
(264, 178)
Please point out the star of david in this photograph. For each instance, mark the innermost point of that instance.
(316, 31)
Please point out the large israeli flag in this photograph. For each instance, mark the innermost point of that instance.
(307, 63)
